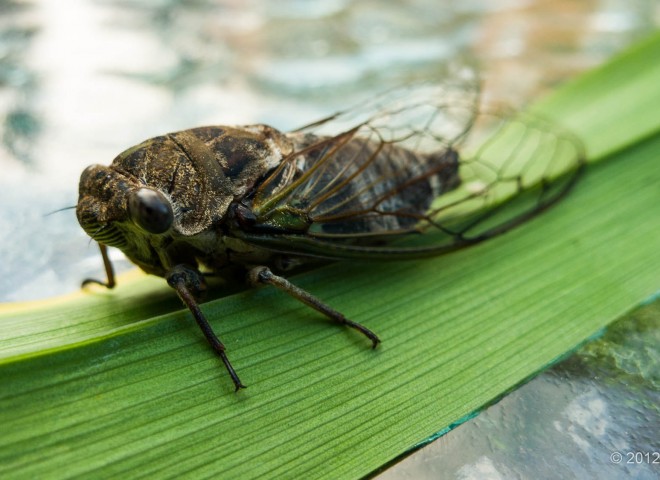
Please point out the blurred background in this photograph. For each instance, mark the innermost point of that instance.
(81, 80)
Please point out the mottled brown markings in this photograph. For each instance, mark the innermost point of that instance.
(205, 163)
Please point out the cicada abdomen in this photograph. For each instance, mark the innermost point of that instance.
(420, 161)
(368, 189)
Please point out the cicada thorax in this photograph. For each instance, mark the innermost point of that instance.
(196, 173)
(350, 185)
(203, 169)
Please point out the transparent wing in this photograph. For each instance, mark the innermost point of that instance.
(416, 171)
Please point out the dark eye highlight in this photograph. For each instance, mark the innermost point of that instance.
(150, 210)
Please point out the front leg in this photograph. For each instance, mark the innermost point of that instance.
(189, 285)
(109, 271)
(263, 276)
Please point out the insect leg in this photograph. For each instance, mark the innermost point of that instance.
(109, 271)
(263, 275)
(188, 283)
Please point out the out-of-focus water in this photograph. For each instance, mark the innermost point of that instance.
(82, 80)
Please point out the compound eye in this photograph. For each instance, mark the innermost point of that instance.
(150, 210)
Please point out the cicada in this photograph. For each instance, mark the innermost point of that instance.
(415, 172)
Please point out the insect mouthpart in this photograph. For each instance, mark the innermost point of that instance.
(99, 229)
(107, 234)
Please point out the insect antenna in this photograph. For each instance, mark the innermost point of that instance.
(60, 210)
